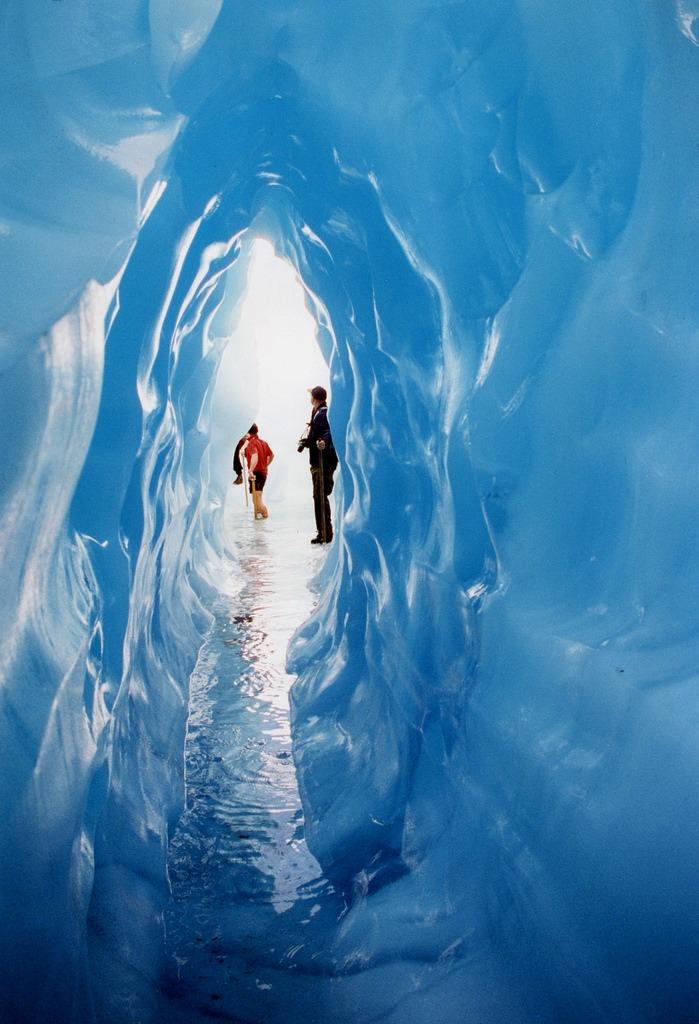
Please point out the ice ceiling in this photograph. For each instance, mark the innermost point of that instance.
(493, 207)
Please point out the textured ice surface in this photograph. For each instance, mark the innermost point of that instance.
(493, 206)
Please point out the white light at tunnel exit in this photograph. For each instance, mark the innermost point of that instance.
(288, 363)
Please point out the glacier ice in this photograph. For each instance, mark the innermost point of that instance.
(492, 204)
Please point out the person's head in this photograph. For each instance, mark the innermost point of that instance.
(252, 432)
(319, 396)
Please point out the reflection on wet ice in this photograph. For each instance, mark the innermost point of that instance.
(250, 923)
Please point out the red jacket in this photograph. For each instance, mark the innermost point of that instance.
(264, 454)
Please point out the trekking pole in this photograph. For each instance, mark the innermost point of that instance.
(245, 483)
(321, 488)
(253, 491)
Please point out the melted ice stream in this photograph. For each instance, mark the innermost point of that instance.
(251, 920)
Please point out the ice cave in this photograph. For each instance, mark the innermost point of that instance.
(444, 769)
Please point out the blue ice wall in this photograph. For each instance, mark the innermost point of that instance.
(493, 205)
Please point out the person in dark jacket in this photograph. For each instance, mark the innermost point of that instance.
(323, 458)
(237, 464)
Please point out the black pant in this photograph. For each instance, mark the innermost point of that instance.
(323, 484)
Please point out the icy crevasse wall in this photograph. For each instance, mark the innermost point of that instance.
(495, 204)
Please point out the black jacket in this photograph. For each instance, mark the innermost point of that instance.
(319, 430)
(237, 464)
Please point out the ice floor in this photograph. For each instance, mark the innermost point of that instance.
(250, 919)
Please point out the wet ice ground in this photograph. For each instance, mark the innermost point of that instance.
(251, 921)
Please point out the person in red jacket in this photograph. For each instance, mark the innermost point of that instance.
(258, 456)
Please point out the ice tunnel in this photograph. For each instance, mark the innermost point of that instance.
(491, 208)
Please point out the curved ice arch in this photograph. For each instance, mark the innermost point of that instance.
(541, 788)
